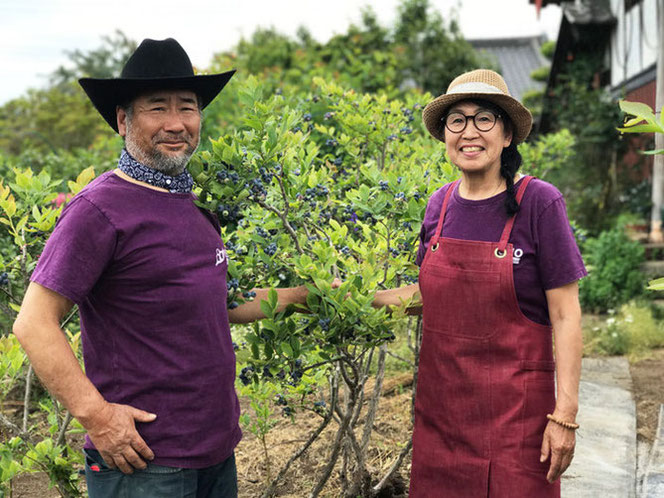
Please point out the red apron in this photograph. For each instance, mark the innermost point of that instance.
(485, 378)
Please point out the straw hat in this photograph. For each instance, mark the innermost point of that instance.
(155, 65)
(479, 84)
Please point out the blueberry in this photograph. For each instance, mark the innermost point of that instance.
(235, 347)
(246, 374)
(4, 279)
(400, 196)
(324, 323)
(383, 184)
(328, 115)
(233, 305)
(287, 411)
(338, 161)
(222, 176)
(271, 249)
(345, 250)
(406, 130)
(331, 142)
(392, 137)
(306, 117)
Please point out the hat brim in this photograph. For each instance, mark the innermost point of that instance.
(521, 118)
(107, 94)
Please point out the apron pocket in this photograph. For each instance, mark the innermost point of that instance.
(539, 399)
(441, 287)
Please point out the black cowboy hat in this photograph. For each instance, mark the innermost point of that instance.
(155, 65)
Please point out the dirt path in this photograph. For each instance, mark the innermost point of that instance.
(648, 381)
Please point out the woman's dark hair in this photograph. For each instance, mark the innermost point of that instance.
(510, 158)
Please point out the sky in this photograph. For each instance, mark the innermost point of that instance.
(35, 35)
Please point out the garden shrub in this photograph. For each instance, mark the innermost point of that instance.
(633, 330)
(614, 277)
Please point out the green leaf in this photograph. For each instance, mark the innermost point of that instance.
(267, 309)
(637, 109)
(273, 298)
(287, 349)
(651, 152)
(657, 284)
(295, 344)
(646, 128)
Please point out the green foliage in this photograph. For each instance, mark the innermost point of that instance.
(533, 100)
(49, 120)
(548, 49)
(549, 153)
(613, 271)
(12, 360)
(641, 112)
(541, 74)
(592, 181)
(431, 52)
(633, 331)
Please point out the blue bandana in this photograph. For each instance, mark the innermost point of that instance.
(181, 184)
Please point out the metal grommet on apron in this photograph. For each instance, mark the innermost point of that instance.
(485, 375)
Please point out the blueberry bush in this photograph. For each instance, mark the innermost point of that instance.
(29, 207)
(330, 184)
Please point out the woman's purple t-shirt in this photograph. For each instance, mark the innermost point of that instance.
(148, 272)
(545, 252)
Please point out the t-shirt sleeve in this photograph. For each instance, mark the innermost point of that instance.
(558, 256)
(422, 248)
(77, 251)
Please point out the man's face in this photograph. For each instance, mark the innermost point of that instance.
(163, 129)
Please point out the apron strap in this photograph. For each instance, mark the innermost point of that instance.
(441, 218)
(510, 223)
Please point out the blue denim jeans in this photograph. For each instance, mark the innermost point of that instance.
(156, 481)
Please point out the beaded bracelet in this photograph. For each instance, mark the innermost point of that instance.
(566, 425)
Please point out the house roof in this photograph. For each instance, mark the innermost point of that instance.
(516, 58)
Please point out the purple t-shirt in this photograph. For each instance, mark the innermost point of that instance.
(148, 272)
(545, 252)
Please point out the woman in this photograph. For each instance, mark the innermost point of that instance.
(499, 271)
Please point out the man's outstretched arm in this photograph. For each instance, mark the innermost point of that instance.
(110, 426)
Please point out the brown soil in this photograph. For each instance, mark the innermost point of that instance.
(648, 382)
(391, 431)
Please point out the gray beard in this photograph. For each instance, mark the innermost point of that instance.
(169, 165)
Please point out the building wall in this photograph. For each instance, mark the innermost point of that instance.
(634, 39)
(645, 94)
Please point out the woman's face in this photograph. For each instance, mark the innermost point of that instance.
(474, 151)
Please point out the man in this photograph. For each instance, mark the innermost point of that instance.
(147, 269)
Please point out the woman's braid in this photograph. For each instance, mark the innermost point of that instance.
(510, 162)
